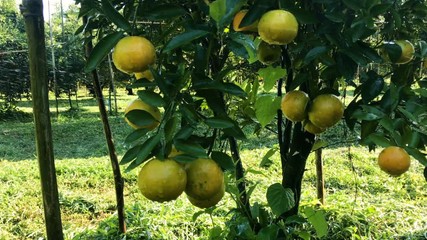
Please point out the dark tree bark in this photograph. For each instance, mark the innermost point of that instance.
(320, 176)
(118, 180)
(34, 25)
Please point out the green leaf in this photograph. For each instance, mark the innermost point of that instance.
(217, 10)
(115, 16)
(191, 148)
(393, 51)
(144, 152)
(318, 144)
(380, 9)
(225, 161)
(372, 87)
(130, 154)
(165, 12)
(184, 38)
(354, 4)
(314, 53)
(269, 232)
(102, 48)
(266, 162)
(235, 131)
(280, 199)
(230, 88)
(151, 98)
(421, 157)
(244, 40)
(170, 128)
(185, 132)
(379, 140)
(270, 75)
(219, 122)
(184, 158)
(318, 220)
(266, 107)
(140, 117)
(368, 113)
(256, 11)
(135, 135)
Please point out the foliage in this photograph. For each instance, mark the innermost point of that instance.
(337, 47)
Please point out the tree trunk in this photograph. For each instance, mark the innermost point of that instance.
(118, 180)
(32, 10)
(320, 177)
(294, 164)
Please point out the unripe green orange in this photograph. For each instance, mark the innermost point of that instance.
(325, 111)
(278, 27)
(294, 105)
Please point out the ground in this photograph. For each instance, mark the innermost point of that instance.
(362, 202)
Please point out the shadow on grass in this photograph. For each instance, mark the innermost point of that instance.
(76, 134)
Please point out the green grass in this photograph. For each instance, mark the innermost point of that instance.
(362, 202)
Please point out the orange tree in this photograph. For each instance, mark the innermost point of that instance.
(210, 84)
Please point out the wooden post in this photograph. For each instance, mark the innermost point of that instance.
(32, 10)
(320, 177)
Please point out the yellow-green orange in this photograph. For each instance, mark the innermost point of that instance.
(133, 54)
(325, 111)
(210, 202)
(138, 104)
(267, 53)
(278, 27)
(394, 160)
(147, 74)
(162, 180)
(311, 128)
(294, 105)
(407, 51)
(204, 179)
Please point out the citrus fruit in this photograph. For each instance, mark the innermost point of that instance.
(133, 54)
(147, 74)
(407, 51)
(311, 128)
(394, 160)
(210, 202)
(138, 104)
(294, 105)
(278, 27)
(268, 54)
(204, 179)
(174, 152)
(162, 180)
(238, 19)
(325, 111)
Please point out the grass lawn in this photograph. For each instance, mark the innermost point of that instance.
(362, 202)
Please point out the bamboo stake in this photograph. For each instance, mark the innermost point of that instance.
(32, 10)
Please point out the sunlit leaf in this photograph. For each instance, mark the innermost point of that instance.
(270, 75)
(101, 49)
(115, 16)
(184, 38)
(266, 107)
(280, 199)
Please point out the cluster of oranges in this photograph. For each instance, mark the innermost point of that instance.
(275, 28)
(318, 115)
(165, 180)
(202, 180)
